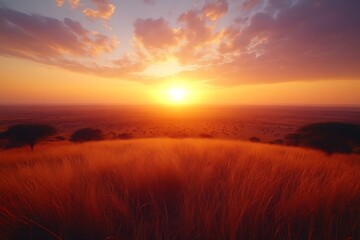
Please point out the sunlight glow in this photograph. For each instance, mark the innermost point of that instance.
(177, 95)
(166, 68)
(178, 92)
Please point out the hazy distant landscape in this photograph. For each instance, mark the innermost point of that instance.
(267, 123)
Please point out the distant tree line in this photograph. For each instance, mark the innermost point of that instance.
(30, 134)
(330, 137)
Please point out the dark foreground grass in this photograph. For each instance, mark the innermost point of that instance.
(178, 189)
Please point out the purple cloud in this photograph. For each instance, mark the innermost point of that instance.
(154, 33)
(42, 38)
(149, 2)
(308, 40)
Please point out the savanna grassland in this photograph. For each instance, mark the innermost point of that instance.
(178, 189)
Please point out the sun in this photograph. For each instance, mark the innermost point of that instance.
(177, 95)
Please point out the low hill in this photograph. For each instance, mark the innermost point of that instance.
(178, 189)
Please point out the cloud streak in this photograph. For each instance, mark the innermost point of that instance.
(73, 3)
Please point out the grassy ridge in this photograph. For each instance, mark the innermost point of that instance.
(178, 189)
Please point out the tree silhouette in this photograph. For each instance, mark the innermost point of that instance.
(26, 134)
(87, 134)
(330, 137)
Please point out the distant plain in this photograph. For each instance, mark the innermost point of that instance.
(221, 122)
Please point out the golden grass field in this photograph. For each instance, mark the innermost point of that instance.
(178, 189)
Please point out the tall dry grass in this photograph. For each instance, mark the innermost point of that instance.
(178, 189)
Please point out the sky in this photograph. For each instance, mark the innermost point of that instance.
(257, 52)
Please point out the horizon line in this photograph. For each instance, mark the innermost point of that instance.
(171, 105)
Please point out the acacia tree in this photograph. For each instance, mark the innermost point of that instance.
(26, 134)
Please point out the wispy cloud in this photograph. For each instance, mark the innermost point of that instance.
(59, 2)
(104, 10)
(215, 10)
(101, 9)
(73, 3)
(154, 33)
(249, 4)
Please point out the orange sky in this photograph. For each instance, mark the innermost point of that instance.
(217, 51)
(39, 84)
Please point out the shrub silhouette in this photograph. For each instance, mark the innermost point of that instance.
(330, 137)
(87, 134)
(124, 135)
(278, 142)
(255, 139)
(205, 135)
(26, 134)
